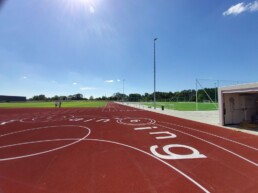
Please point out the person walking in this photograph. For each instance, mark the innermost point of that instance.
(59, 104)
(56, 104)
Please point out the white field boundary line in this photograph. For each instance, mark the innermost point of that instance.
(231, 152)
(211, 134)
(76, 140)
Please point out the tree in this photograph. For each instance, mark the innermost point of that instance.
(134, 97)
(119, 96)
(39, 97)
(146, 97)
(103, 98)
(178, 96)
(77, 97)
(55, 98)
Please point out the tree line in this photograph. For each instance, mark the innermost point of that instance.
(203, 95)
(206, 94)
(42, 97)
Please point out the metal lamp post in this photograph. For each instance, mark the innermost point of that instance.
(154, 94)
(123, 90)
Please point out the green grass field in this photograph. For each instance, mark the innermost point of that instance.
(180, 106)
(185, 106)
(65, 104)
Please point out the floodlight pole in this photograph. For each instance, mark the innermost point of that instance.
(123, 86)
(196, 95)
(215, 92)
(154, 94)
(123, 89)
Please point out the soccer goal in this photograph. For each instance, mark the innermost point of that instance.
(207, 91)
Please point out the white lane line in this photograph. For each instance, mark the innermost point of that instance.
(6, 122)
(213, 144)
(41, 141)
(233, 141)
(100, 140)
(162, 161)
(38, 128)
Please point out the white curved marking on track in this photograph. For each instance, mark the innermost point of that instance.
(54, 118)
(42, 152)
(211, 134)
(146, 153)
(106, 141)
(150, 121)
(6, 122)
(213, 144)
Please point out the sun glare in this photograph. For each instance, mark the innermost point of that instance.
(87, 2)
(89, 5)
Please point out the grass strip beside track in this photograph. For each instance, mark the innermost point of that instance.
(65, 104)
(184, 106)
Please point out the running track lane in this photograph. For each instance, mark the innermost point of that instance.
(120, 149)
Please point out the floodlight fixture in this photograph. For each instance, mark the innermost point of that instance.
(154, 93)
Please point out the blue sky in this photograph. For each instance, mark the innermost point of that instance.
(63, 47)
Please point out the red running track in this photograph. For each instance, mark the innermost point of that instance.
(119, 149)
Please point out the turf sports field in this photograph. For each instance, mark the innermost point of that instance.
(184, 106)
(65, 104)
(121, 149)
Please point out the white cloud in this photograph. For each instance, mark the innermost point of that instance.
(24, 77)
(109, 81)
(242, 7)
(235, 9)
(75, 83)
(88, 88)
(118, 80)
(254, 6)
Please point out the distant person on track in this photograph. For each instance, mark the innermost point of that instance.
(56, 104)
(59, 104)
